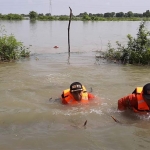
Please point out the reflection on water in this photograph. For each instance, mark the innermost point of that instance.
(32, 117)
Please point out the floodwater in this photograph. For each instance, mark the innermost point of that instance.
(31, 115)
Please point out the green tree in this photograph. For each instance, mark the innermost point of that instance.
(64, 17)
(99, 15)
(33, 15)
(48, 14)
(146, 14)
(138, 15)
(120, 14)
(40, 14)
(107, 15)
(129, 14)
(112, 14)
(86, 16)
(90, 14)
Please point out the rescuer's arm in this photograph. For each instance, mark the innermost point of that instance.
(127, 102)
(63, 99)
(90, 96)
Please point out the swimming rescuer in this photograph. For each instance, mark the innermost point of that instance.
(76, 94)
(138, 101)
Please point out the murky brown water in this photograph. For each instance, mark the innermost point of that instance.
(32, 118)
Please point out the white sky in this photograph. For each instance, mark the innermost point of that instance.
(61, 7)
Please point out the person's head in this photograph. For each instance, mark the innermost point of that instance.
(146, 91)
(76, 90)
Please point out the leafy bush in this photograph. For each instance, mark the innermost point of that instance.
(137, 50)
(10, 48)
(64, 17)
(11, 17)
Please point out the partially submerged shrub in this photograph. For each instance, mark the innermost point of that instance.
(10, 48)
(137, 50)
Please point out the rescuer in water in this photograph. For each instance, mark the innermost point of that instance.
(138, 101)
(76, 94)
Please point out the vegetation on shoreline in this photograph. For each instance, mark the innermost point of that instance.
(11, 17)
(137, 50)
(109, 16)
(10, 48)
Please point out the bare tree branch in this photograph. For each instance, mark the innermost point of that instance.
(69, 30)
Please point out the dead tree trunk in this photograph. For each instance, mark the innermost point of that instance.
(69, 30)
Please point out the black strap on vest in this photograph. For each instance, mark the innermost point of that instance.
(134, 92)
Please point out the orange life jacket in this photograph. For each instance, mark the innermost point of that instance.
(142, 105)
(69, 99)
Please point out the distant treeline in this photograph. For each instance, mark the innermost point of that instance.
(82, 16)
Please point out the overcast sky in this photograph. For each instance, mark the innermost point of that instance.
(61, 7)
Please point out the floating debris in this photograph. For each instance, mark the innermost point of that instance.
(56, 47)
